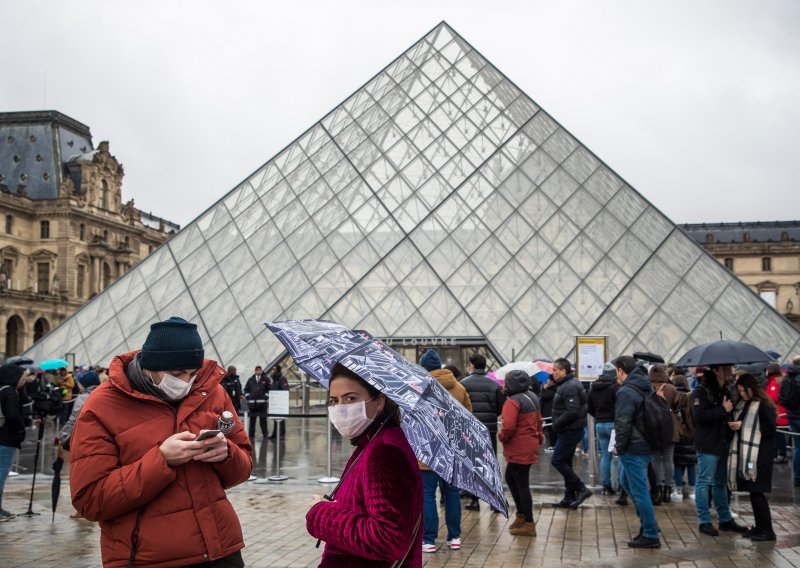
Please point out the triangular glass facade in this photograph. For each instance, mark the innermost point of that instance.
(438, 200)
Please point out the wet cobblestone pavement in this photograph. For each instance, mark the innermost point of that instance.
(273, 518)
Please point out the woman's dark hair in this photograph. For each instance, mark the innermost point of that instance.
(680, 381)
(389, 408)
(455, 370)
(773, 369)
(749, 382)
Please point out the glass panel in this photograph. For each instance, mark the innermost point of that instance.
(130, 285)
(519, 147)
(582, 255)
(540, 127)
(478, 150)
(186, 241)
(603, 184)
(224, 242)
(236, 263)
(511, 282)
(470, 64)
(380, 85)
(230, 339)
(197, 264)
(516, 189)
(536, 255)
(330, 216)
(359, 260)
(500, 130)
(559, 231)
(418, 171)
(559, 186)
(456, 170)
(656, 279)
(277, 261)
(559, 145)
(558, 281)
(708, 278)
(679, 252)
(401, 69)
(428, 235)
(402, 260)
(393, 100)
(345, 237)
(581, 164)
(252, 219)
(317, 195)
(604, 229)
(207, 288)
(291, 285)
(521, 110)
(558, 335)
(377, 284)
(466, 282)
(308, 306)
(491, 257)
(370, 215)
(581, 208)
(661, 335)
(497, 168)
(350, 137)
(446, 258)
(737, 304)
(486, 308)
(354, 195)
(713, 326)
(386, 236)
(606, 280)
(394, 309)
(214, 220)
(629, 254)
(421, 283)
(219, 312)
(318, 261)
(101, 341)
(439, 309)
(582, 308)
(434, 191)
(627, 205)
(240, 199)
(494, 211)
(459, 326)
(514, 232)
(333, 284)
(633, 307)
(135, 313)
(484, 112)
(536, 308)
(773, 333)
(305, 238)
(411, 213)
(685, 306)
(166, 287)
(537, 209)
(509, 332)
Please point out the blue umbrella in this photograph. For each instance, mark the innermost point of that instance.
(442, 433)
(52, 364)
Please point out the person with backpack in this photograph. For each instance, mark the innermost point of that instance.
(521, 434)
(632, 447)
(789, 397)
(711, 408)
(12, 423)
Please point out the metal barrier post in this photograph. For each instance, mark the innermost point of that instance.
(278, 424)
(592, 451)
(329, 478)
(306, 393)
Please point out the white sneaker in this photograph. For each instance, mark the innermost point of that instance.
(691, 495)
(676, 495)
(454, 544)
(429, 548)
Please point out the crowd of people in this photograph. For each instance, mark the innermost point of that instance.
(150, 449)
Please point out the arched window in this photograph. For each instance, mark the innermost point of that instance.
(107, 278)
(40, 328)
(15, 334)
(9, 224)
(104, 195)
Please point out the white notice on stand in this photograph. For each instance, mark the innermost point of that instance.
(278, 402)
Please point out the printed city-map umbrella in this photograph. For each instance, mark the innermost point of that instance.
(442, 433)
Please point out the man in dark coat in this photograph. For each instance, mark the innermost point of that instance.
(487, 401)
(256, 391)
(569, 419)
(279, 383)
(233, 387)
(632, 447)
(712, 403)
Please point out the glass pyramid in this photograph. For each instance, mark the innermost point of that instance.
(438, 200)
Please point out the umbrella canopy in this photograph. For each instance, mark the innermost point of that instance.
(723, 352)
(442, 433)
(774, 354)
(55, 488)
(529, 367)
(18, 360)
(648, 356)
(53, 364)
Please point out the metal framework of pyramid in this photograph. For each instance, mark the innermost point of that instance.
(438, 200)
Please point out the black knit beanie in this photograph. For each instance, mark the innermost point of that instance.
(172, 345)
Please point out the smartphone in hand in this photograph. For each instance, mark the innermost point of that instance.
(206, 435)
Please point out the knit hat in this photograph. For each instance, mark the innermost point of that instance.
(172, 345)
(89, 379)
(430, 361)
(10, 375)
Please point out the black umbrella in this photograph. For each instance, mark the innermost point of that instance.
(647, 356)
(55, 489)
(723, 352)
(18, 360)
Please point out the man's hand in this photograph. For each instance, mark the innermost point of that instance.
(214, 449)
(319, 499)
(181, 448)
(727, 404)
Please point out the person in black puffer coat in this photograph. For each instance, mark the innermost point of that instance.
(602, 396)
(12, 431)
(570, 408)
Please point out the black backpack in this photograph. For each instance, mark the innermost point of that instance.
(789, 394)
(658, 423)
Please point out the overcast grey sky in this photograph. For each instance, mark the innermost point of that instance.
(695, 103)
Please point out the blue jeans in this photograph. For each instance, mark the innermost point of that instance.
(603, 431)
(452, 508)
(563, 453)
(712, 476)
(635, 479)
(690, 475)
(794, 425)
(6, 459)
(585, 440)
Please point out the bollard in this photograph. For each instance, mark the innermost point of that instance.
(278, 423)
(592, 451)
(328, 478)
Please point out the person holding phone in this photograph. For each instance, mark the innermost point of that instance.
(750, 460)
(145, 468)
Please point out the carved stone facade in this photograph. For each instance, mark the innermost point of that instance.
(764, 255)
(66, 233)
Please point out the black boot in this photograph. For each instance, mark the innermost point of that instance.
(622, 500)
(655, 495)
(473, 505)
(666, 494)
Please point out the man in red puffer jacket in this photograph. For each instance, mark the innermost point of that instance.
(137, 466)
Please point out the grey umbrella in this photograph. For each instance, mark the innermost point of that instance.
(723, 352)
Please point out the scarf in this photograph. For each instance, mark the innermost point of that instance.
(142, 383)
(743, 457)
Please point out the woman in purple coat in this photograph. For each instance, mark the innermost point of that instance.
(375, 518)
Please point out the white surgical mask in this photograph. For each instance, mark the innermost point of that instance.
(174, 388)
(350, 419)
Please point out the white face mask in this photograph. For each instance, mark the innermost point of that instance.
(350, 419)
(174, 388)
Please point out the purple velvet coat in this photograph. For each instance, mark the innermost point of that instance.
(378, 504)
